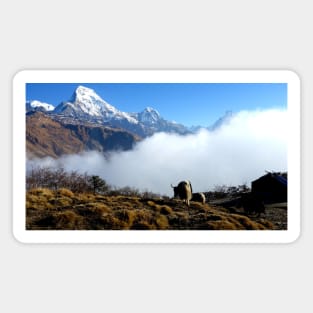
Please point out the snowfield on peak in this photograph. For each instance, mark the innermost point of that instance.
(149, 116)
(85, 105)
(91, 103)
(35, 104)
(86, 102)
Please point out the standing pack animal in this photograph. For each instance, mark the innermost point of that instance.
(251, 203)
(198, 197)
(184, 191)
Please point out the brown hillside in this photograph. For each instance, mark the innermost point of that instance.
(48, 137)
(63, 209)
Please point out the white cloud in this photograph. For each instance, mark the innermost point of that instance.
(237, 153)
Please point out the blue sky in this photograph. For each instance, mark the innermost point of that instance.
(189, 104)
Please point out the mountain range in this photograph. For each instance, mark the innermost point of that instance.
(86, 105)
(87, 122)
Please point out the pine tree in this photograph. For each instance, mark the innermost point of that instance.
(98, 184)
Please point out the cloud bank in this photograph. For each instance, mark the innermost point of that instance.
(237, 153)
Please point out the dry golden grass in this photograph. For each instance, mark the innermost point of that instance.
(166, 210)
(63, 192)
(44, 192)
(162, 222)
(125, 216)
(63, 209)
(39, 199)
(68, 220)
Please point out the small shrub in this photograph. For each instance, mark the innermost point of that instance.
(126, 217)
(214, 217)
(39, 199)
(68, 220)
(65, 193)
(100, 208)
(198, 206)
(85, 198)
(101, 198)
(142, 225)
(144, 217)
(110, 222)
(61, 202)
(61, 220)
(162, 222)
(246, 222)
(166, 210)
(222, 225)
(152, 204)
(43, 192)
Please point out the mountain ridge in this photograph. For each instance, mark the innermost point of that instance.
(49, 137)
(85, 105)
(86, 122)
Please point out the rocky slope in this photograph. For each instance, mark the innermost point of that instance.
(48, 137)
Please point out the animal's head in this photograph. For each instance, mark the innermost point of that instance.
(175, 189)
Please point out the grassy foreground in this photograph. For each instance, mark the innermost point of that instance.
(64, 210)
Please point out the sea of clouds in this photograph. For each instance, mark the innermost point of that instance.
(240, 151)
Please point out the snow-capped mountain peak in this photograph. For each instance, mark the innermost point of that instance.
(82, 90)
(86, 104)
(91, 103)
(225, 119)
(38, 105)
(149, 116)
(151, 110)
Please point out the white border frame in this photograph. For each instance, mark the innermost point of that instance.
(156, 76)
